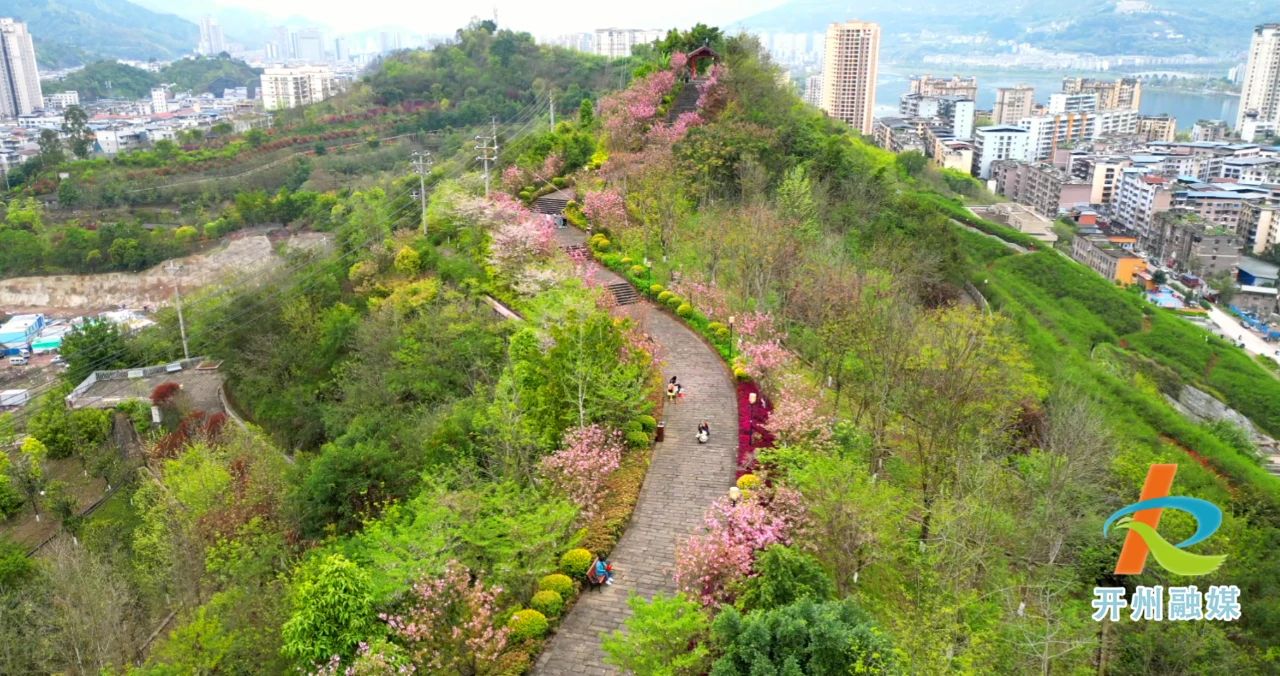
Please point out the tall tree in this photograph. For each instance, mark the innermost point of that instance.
(75, 125)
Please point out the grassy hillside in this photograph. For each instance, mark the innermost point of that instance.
(112, 79)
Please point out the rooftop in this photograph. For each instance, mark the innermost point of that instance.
(1257, 267)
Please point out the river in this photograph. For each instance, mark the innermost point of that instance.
(1187, 107)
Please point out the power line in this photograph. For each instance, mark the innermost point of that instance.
(422, 164)
(487, 146)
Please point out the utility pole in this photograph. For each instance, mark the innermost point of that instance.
(552, 105)
(487, 146)
(182, 324)
(422, 164)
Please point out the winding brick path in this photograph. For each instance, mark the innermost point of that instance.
(683, 479)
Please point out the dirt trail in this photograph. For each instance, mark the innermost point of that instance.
(243, 257)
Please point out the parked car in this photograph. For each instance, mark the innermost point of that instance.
(20, 360)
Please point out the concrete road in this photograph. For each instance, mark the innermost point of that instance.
(1234, 330)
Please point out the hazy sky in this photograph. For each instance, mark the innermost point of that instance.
(542, 18)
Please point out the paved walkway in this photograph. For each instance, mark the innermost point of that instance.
(683, 479)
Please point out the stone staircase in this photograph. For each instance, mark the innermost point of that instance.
(623, 293)
(553, 204)
(687, 100)
(577, 251)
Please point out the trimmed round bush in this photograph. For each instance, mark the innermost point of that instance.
(571, 204)
(717, 327)
(655, 289)
(664, 296)
(574, 563)
(740, 373)
(559, 182)
(599, 242)
(528, 623)
(626, 260)
(637, 270)
(558, 583)
(684, 310)
(749, 482)
(547, 602)
(647, 422)
(674, 302)
(635, 440)
(631, 426)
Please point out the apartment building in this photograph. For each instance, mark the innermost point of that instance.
(1260, 94)
(1101, 172)
(1260, 226)
(617, 42)
(899, 135)
(955, 112)
(1157, 127)
(1142, 194)
(1210, 130)
(999, 142)
(1043, 187)
(1219, 204)
(962, 87)
(62, 100)
(1122, 93)
(1062, 130)
(1187, 243)
(1013, 104)
(292, 87)
(19, 78)
(1072, 103)
(1107, 258)
(813, 90)
(850, 65)
(1251, 170)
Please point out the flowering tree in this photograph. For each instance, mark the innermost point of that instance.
(626, 114)
(795, 415)
(678, 61)
(667, 135)
(453, 625)
(513, 179)
(709, 298)
(710, 564)
(581, 467)
(516, 245)
(551, 167)
(606, 208)
(712, 90)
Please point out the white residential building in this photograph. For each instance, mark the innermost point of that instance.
(211, 41)
(292, 87)
(1072, 103)
(1142, 194)
(813, 90)
(850, 65)
(999, 142)
(617, 42)
(19, 78)
(160, 100)
(1260, 96)
(62, 100)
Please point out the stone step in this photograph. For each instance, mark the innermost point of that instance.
(623, 293)
(550, 205)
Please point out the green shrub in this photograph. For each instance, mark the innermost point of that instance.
(647, 423)
(717, 327)
(637, 439)
(626, 260)
(664, 296)
(571, 204)
(655, 289)
(527, 624)
(574, 563)
(558, 583)
(599, 242)
(740, 374)
(559, 182)
(631, 426)
(637, 270)
(685, 310)
(525, 195)
(547, 602)
(674, 302)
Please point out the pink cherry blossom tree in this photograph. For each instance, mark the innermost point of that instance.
(582, 466)
(453, 624)
(605, 208)
(796, 417)
(516, 245)
(513, 179)
(711, 564)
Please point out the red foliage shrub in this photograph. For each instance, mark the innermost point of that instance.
(164, 393)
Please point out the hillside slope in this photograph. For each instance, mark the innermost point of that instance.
(71, 32)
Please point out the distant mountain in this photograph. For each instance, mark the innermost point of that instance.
(72, 32)
(242, 25)
(112, 79)
(1104, 27)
